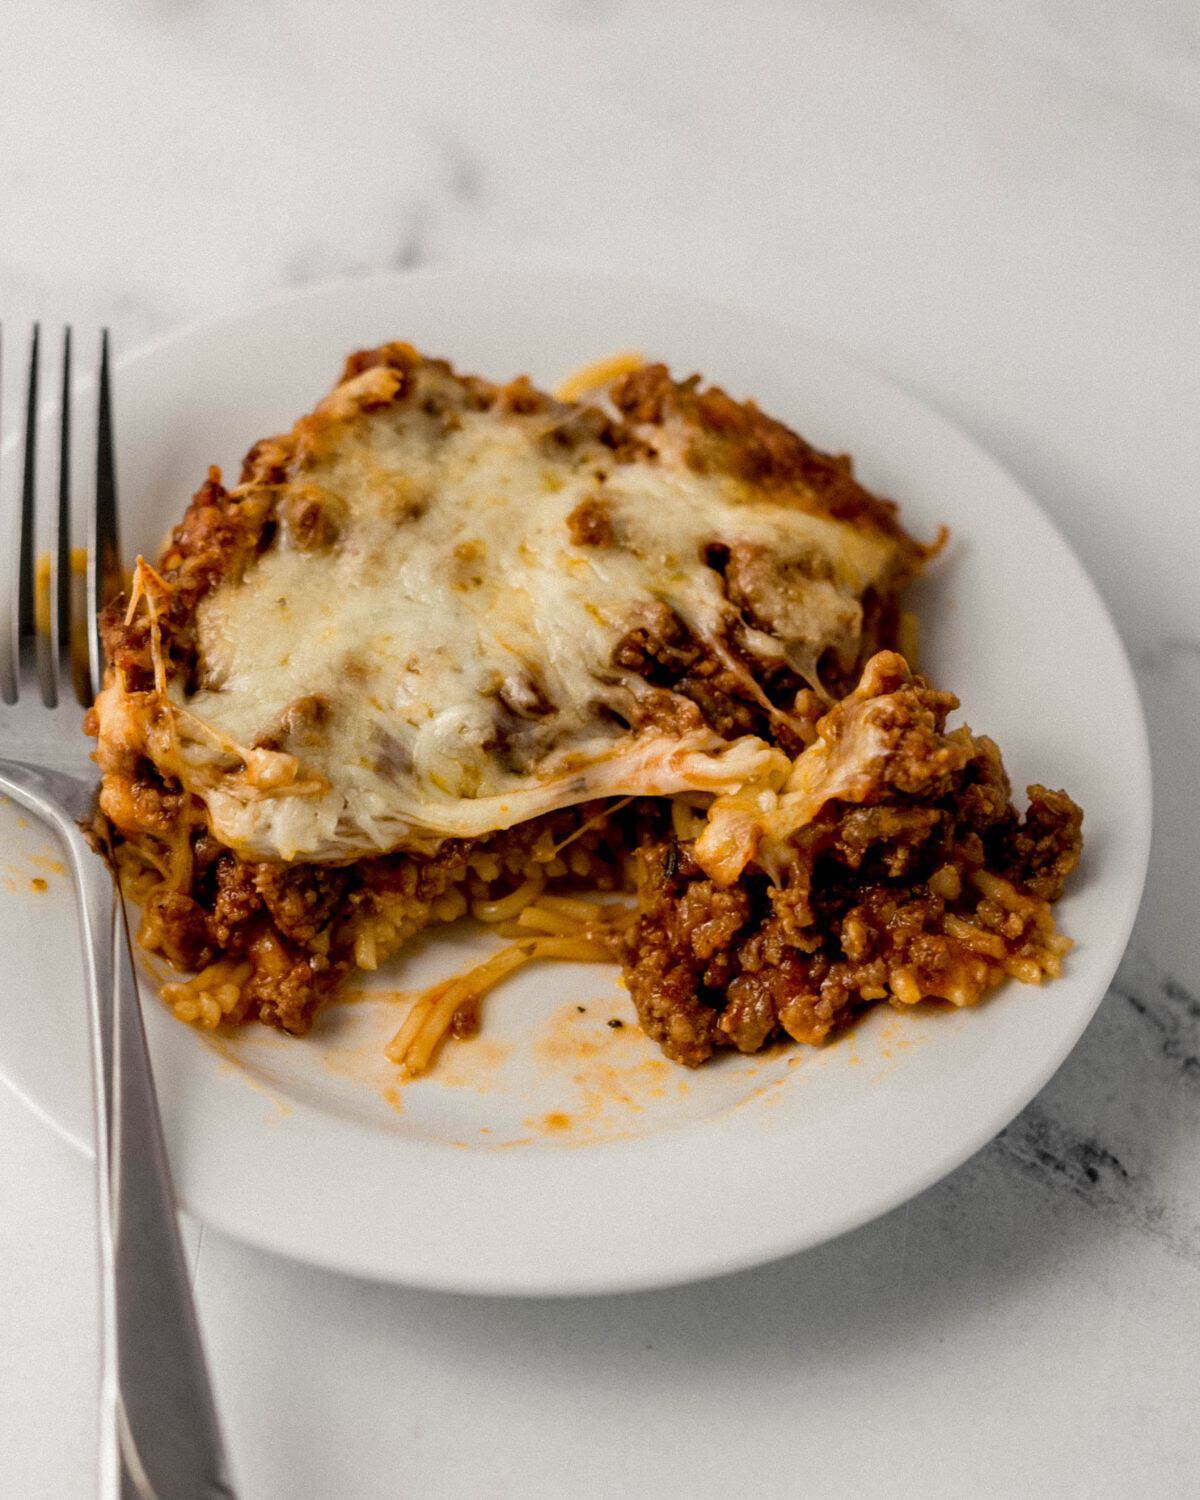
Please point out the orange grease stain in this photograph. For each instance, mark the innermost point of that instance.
(474, 1063)
(16, 877)
(353, 1063)
(610, 1073)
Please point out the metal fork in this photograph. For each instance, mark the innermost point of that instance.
(159, 1435)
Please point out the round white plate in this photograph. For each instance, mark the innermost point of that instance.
(556, 1153)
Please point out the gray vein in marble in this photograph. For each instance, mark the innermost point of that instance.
(455, 185)
(410, 250)
(1170, 1016)
(1043, 1147)
(1169, 653)
(315, 261)
(464, 170)
(1108, 1129)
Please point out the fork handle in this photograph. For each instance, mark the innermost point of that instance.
(167, 1415)
(159, 1432)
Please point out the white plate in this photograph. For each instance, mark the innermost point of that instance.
(469, 1179)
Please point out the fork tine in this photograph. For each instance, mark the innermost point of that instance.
(28, 637)
(104, 550)
(60, 540)
(8, 579)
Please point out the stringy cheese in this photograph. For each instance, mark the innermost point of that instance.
(845, 764)
(460, 643)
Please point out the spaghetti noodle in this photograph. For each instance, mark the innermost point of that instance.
(546, 927)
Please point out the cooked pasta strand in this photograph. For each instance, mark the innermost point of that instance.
(436, 1022)
(413, 1022)
(538, 919)
(593, 822)
(601, 372)
(573, 906)
(508, 907)
(414, 1045)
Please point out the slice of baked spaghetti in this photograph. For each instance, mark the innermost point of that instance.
(451, 646)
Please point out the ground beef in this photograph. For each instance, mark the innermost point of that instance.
(285, 988)
(925, 883)
(677, 964)
(294, 925)
(301, 900)
(590, 524)
(663, 651)
(181, 929)
(1041, 850)
(311, 522)
(931, 885)
(735, 437)
(710, 968)
(235, 901)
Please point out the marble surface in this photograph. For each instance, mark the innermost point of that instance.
(998, 204)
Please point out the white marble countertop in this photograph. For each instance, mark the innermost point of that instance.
(997, 201)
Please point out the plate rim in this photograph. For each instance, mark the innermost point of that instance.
(696, 1266)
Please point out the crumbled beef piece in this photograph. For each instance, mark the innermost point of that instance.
(590, 524)
(301, 899)
(925, 883)
(237, 899)
(735, 437)
(1042, 849)
(180, 928)
(680, 952)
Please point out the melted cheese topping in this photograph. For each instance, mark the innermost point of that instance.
(756, 821)
(441, 662)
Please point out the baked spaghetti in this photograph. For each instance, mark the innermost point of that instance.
(452, 647)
